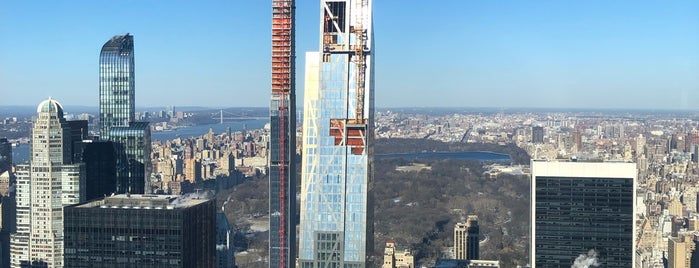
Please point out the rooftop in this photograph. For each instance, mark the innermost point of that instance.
(147, 201)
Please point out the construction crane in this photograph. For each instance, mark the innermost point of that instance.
(359, 59)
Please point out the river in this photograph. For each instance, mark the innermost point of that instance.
(194, 131)
(20, 153)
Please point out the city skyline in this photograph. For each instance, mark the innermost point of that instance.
(581, 54)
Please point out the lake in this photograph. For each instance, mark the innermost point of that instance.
(479, 156)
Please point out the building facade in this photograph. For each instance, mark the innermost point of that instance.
(282, 155)
(537, 134)
(466, 239)
(5, 156)
(141, 231)
(133, 148)
(225, 251)
(44, 187)
(117, 88)
(100, 169)
(336, 228)
(395, 258)
(582, 206)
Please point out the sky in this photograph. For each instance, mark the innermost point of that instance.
(451, 53)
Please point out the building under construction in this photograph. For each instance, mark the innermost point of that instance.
(336, 228)
(282, 171)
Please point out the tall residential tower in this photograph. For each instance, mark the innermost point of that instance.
(282, 171)
(466, 235)
(117, 114)
(117, 91)
(44, 186)
(336, 228)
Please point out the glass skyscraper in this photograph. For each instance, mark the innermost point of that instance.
(117, 113)
(582, 206)
(336, 228)
(117, 91)
(141, 231)
(133, 147)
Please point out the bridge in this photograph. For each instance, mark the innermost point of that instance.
(228, 116)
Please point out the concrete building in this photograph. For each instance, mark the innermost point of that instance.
(582, 206)
(44, 187)
(395, 258)
(466, 238)
(679, 251)
(282, 160)
(141, 231)
(192, 170)
(336, 228)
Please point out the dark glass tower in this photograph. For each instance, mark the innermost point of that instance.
(282, 170)
(133, 149)
(117, 92)
(100, 169)
(141, 231)
(5, 156)
(581, 206)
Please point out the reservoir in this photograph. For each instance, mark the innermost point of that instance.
(478, 156)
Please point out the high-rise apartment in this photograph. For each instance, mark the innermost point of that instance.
(117, 114)
(336, 228)
(141, 231)
(44, 187)
(679, 251)
(117, 90)
(282, 160)
(582, 206)
(466, 235)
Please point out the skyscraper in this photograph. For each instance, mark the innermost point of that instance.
(336, 228)
(282, 165)
(100, 169)
(133, 147)
(537, 134)
(466, 237)
(117, 91)
(117, 116)
(5, 156)
(44, 186)
(141, 231)
(582, 206)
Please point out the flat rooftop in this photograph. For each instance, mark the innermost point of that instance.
(147, 201)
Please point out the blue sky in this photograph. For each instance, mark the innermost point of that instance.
(457, 53)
